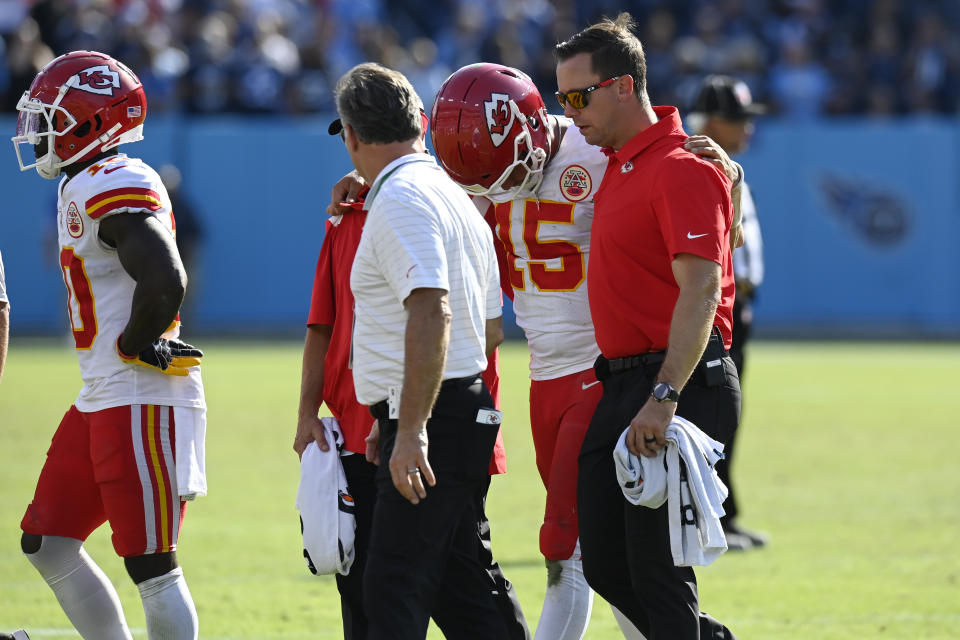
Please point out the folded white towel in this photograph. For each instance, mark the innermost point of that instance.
(326, 506)
(191, 432)
(682, 474)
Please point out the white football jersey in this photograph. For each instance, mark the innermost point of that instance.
(547, 238)
(100, 292)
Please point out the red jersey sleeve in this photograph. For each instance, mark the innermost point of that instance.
(502, 263)
(694, 209)
(323, 305)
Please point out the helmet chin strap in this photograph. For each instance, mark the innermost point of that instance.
(49, 167)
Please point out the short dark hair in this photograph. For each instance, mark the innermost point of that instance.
(379, 104)
(613, 49)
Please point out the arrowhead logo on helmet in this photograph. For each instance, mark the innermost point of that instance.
(499, 117)
(99, 79)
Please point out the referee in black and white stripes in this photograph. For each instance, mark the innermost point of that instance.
(427, 311)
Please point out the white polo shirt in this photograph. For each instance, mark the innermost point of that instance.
(422, 231)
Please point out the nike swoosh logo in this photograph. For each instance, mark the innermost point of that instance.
(694, 237)
(112, 169)
(584, 386)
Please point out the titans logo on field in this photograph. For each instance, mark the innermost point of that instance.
(100, 79)
(74, 221)
(575, 183)
(499, 117)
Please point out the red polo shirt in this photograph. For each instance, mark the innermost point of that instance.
(332, 304)
(656, 201)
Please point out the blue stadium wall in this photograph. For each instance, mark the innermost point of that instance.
(861, 222)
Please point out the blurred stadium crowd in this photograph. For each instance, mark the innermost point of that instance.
(804, 58)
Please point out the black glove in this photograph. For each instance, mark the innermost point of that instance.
(172, 357)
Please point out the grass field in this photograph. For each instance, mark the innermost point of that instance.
(847, 457)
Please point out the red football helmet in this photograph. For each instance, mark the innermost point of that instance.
(80, 105)
(488, 120)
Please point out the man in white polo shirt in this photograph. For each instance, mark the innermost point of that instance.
(427, 310)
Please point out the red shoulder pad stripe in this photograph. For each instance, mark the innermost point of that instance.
(121, 198)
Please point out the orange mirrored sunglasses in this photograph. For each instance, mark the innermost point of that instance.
(578, 97)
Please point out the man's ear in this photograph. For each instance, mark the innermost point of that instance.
(624, 87)
(350, 137)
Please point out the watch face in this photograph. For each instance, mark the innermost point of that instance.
(662, 392)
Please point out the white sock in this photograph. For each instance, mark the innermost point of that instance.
(567, 603)
(169, 607)
(629, 631)
(83, 590)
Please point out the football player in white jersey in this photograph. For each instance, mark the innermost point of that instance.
(536, 175)
(533, 176)
(130, 451)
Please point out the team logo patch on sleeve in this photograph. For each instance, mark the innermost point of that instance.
(74, 221)
(575, 183)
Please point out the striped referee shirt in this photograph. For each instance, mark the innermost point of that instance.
(422, 232)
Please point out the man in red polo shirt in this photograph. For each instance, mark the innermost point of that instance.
(327, 378)
(661, 293)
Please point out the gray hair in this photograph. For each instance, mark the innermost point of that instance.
(379, 104)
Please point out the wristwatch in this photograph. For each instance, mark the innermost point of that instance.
(664, 392)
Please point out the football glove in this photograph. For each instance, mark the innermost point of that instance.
(172, 357)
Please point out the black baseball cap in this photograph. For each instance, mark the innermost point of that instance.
(726, 97)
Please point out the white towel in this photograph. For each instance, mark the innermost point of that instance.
(326, 507)
(682, 474)
(191, 434)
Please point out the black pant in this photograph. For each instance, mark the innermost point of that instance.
(742, 324)
(360, 474)
(425, 559)
(626, 548)
(360, 479)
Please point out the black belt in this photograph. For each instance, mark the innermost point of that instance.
(381, 410)
(605, 368)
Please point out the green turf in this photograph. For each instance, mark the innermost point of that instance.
(847, 458)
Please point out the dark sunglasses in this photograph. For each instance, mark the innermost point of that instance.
(578, 97)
